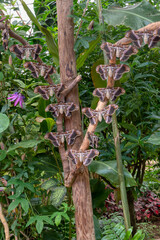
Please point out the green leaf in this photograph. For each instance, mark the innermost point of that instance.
(4, 122)
(32, 220)
(3, 154)
(13, 204)
(52, 47)
(139, 235)
(108, 169)
(98, 232)
(58, 219)
(39, 226)
(128, 234)
(58, 195)
(19, 83)
(96, 79)
(154, 138)
(25, 205)
(49, 184)
(2, 7)
(50, 123)
(29, 186)
(1, 76)
(24, 144)
(83, 56)
(135, 16)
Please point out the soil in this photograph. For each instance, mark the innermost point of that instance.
(151, 230)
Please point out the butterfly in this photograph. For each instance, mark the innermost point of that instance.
(60, 108)
(39, 69)
(46, 91)
(115, 71)
(93, 139)
(27, 50)
(147, 37)
(108, 93)
(123, 52)
(84, 157)
(95, 115)
(58, 138)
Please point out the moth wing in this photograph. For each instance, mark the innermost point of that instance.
(50, 71)
(43, 91)
(107, 118)
(107, 49)
(110, 109)
(53, 109)
(137, 40)
(32, 68)
(88, 159)
(71, 138)
(72, 156)
(120, 71)
(153, 41)
(102, 71)
(87, 112)
(36, 51)
(53, 138)
(93, 120)
(18, 50)
(69, 109)
(127, 53)
(98, 92)
(117, 92)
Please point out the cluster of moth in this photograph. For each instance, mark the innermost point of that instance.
(114, 71)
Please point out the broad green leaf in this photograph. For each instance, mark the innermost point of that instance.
(13, 205)
(58, 195)
(25, 205)
(2, 7)
(50, 123)
(154, 138)
(32, 220)
(98, 232)
(29, 186)
(96, 79)
(4, 122)
(52, 47)
(135, 16)
(58, 219)
(49, 184)
(83, 56)
(24, 144)
(3, 154)
(108, 169)
(128, 234)
(39, 226)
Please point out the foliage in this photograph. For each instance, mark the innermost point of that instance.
(114, 228)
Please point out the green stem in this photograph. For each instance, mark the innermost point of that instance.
(121, 173)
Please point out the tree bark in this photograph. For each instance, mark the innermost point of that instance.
(81, 187)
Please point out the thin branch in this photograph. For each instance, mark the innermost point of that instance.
(5, 224)
(80, 25)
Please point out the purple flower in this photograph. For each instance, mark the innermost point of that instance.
(18, 98)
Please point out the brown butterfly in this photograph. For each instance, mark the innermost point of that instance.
(26, 51)
(60, 108)
(84, 157)
(48, 91)
(95, 115)
(147, 37)
(39, 69)
(115, 71)
(58, 138)
(108, 93)
(93, 139)
(123, 52)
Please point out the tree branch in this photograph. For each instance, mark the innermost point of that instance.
(5, 224)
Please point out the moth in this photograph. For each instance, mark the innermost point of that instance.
(93, 139)
(84, 157)
(26, 51)
(108, 93)
(60, 108)
(147, 37)
(115, 71)
(58, 138)
(123, 52)
(5, 36)
(39, 69)
(95, 115)
(48, 91)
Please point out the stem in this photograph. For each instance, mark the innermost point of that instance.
(121, 173)
(5, 224)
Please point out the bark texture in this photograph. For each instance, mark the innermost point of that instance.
(81, 187)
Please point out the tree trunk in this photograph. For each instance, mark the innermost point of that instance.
(81, 187)
(132, 211)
